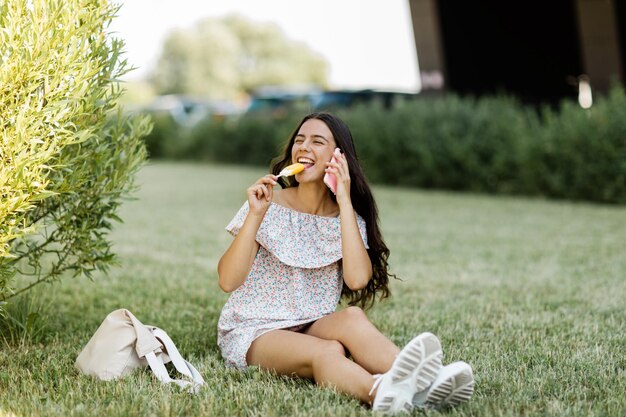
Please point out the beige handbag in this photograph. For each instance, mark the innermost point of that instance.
(122, 344)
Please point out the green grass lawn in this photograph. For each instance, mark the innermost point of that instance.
(531, 293)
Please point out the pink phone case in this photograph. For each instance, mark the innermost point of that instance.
(330, 180)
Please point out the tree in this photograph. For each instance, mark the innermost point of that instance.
(67, 153)
(221, 58)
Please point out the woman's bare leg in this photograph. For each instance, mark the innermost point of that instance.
(367, 345)
(291, 353)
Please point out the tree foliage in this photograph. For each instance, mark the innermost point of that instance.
(67, 153)
(221, 58)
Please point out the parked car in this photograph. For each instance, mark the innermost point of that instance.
(187, 111)
(348, 98)
(279, 103)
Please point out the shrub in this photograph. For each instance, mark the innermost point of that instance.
(446, 143)
(167, 139)
(68, 158)
(252, 140)
(581, 154)
(488, 144)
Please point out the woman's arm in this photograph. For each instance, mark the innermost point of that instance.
(357, 266)
(235, 264)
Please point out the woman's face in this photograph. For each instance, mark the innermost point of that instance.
(313, 146)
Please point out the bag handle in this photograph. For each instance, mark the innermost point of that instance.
(181, 365)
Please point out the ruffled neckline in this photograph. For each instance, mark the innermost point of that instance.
(281, 207)
(298, 239)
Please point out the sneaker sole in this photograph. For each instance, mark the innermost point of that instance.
(452, 391)
(420, 359)
(388, 403)
(418, 362)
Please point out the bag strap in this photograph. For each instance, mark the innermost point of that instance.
(181, 365)
(159, 370)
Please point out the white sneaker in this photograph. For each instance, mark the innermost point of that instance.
(413, 370)
(454, 385)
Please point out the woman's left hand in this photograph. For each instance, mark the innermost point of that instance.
(342, 173)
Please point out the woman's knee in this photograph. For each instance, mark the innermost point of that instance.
(326, 354)
(354, 315)
(329, 348)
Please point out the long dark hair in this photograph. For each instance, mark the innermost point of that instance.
(362, 201)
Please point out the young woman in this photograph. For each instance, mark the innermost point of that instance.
(296, 252)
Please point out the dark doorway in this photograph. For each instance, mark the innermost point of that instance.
(620, 9)
(527, 48)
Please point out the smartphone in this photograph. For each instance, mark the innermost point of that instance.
(330, 179)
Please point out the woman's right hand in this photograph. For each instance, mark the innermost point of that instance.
(260, 194)
(234, 266)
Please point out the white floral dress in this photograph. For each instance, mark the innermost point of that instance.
(295, 278)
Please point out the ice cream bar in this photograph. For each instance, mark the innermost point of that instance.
(290, 170)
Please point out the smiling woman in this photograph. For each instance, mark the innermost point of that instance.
(296, 252)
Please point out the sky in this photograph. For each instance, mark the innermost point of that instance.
(367, 43)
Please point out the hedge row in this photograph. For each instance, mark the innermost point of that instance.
(492, 144)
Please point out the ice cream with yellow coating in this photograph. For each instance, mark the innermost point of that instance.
(290, 170)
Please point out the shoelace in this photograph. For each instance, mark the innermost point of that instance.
(378, 378)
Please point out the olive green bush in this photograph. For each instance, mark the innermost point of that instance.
(251, 140)
(445, 143)
(580, 154)
(497, 145)
(489, 144)
(167, 139)
(67, 153)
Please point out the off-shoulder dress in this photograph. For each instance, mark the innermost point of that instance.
(294, 280)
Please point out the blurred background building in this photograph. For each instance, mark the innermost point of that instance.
(540, 51)
(211, 61)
